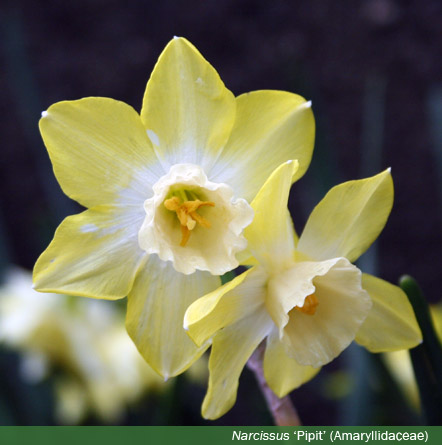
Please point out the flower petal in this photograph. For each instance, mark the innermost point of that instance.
(187, 111)
(391, 324)
(282, 373)
(155, 312)
(349, 218)
(231, 349)
(98, 147)
(343, 306)
(270, 128)
(271, 235)
(226, 305)
(93, 254)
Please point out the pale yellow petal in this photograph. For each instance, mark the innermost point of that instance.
(225, 305)
(270, 128)
(317, 339)
(187, 111)
(155, 311)
(93, 254)
(282, 373)
(245, 258)
(271, 236)
(400, 367)
(231, 349)
(98, 148)
(349, 218)
(391, 324)
(436, 315)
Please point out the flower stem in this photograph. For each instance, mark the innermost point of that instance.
(283, 411)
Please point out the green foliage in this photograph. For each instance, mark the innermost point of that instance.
(427, 357)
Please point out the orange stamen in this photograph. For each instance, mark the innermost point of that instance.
(187, 216)
(309, 306)
(185, 235)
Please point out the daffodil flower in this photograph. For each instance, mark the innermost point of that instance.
(303, 296)
(167, 193)
(99, 369)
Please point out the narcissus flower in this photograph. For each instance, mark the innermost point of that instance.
(167, 193)
(304, 296)
(99, 370)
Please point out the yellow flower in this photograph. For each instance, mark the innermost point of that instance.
(99, 369)
(303, 295)
(167, 193)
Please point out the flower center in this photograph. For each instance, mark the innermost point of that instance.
(183, 199)
(309, 306)
(187, 215)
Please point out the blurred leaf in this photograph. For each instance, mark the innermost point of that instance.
(427, 357)
(357, 408)
(228, 276)
(435, 120)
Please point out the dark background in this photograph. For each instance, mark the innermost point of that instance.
(373, 70)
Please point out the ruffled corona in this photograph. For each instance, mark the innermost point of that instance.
(310, 300)
(193, 222)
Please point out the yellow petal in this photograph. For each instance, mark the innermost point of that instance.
(231, 349)
(391, 324)
(349, 218)
(343, 306)
(282, 373)
(187, 110)
(98, 147)
(270, 128)
(225, 305)
(271, 235)
(436, 315)
(93, 254)
(245, 258)
(155, 311)
(401, 368)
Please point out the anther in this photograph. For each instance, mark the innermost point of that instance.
(187, 215)
(309, 306)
